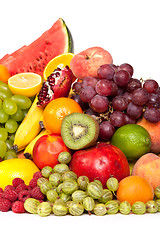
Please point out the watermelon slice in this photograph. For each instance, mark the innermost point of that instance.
(34, 58)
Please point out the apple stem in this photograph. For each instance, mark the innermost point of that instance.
(87, 57)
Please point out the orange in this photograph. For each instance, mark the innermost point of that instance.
(26, 84)
(17, 167)
(58, 61)
(134, 188)
(56, 110)
(4, 74)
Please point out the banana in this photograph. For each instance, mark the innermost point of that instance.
(28, 152)
(29, 128)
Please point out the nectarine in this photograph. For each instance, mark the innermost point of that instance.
(86, 63)
(148, 166)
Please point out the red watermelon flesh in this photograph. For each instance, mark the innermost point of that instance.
(33, 58)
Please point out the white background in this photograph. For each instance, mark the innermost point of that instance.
(129, 30)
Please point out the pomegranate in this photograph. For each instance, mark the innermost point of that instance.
(58, 84)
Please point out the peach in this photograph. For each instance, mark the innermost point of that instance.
(148, 166)
(86, 63)
(154, 131)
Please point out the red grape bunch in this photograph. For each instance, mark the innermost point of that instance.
(116, 99)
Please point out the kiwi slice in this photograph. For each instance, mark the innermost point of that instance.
(79, 130)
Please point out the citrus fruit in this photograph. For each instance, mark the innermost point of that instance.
(59, 61)
(16, 167)
(134, 188)
(26, 84)
(133, 140)
(55, 112)
(4, 74)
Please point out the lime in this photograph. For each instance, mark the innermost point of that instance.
(133, 140)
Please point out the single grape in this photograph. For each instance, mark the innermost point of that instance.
(121, 90)
(82, 104)
(151, 86)
(3, 116)
(89, 81)
(127, 67)
(91, 112)
(3, 149)
(106, 130)
(134, 111)
(104, 87)
(11, 126)
(3, 134)
(129, 120)
(106, 71)
(140, 96)
(133, 84)
(121, 77)
(1, 103)
(117, 118)
(87, 94)
(154, 100)
(4, 95)
(9, 143)
(10, 155)
(77, 87)
(12, 136)
(119, 103)
(128, 96)
(18, 116)
(114, 89)
(22, 102)
(9, 106)
(152, 114)
(4, 87)
(99, 103)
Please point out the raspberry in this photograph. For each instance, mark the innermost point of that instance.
(23, 195)
(20, 187)
(9, 187)
(5, 205)
(33, 183)
(18, 207)
(10, 195)
(17, 181)
(37, 175)
(37, 194)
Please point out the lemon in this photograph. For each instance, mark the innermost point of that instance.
(59, 61)
(133, 140)
(26, 84)
(17, 167)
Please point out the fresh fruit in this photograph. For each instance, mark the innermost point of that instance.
(55, 112)
(153, 129)
(26, 84)
(4, 74)
(46, 150)
(12, 168)
(79, 130)
(86, 63)
(134, 188)
(59, 61)
(29, 128)
(28, 152)
(133, 140)
(53, 42)
(57, 85)
(100, 162)
(148, 166)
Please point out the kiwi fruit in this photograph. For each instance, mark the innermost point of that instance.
(79, 130)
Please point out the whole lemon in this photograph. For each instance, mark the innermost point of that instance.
(17, 167)
(133, 140)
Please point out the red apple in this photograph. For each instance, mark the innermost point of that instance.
(100, 162)
(46, 150)
(87, 62)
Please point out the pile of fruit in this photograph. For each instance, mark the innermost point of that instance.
(78, 134)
